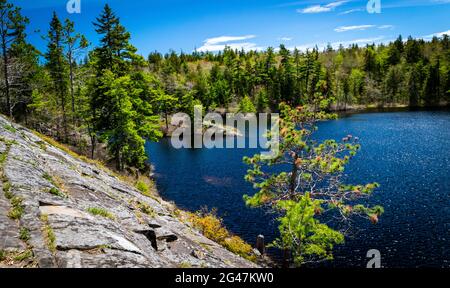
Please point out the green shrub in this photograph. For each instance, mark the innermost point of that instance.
(56, 192)
(7, 190)
(143, 187)
(238, 246)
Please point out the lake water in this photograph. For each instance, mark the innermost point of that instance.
(408, 153)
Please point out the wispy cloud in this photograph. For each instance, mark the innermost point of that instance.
(225, 39)
(361, 28)
(352, 11)
(321, 8)
(285, 39)
(335, 45)
(219, 43)
(439, 34)
(386, 27)
(352, 28)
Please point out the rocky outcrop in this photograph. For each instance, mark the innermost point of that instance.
(59, 211)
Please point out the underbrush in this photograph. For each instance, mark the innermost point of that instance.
(211, 226)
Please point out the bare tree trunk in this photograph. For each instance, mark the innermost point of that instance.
(72, 93)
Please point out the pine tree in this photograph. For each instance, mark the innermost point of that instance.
(414, 86)
(74, 43)
(246, 105)
(285, 74)
(121, 100)
(12, 33)
(57, 65)
(431, 87)
(115, 53)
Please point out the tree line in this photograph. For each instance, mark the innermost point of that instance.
(110, 96)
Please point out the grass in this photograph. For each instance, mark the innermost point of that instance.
(48, 177)
(185, 265)
(145, 208)
(55, 182)
(96, 211)
(27, 254)
(10, 128)
(16, 256)
(49, 235)
(17, 209)
(24, 234)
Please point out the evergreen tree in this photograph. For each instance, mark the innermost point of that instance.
(413, 86)
(246, 105)
(12, 33)
(431, 91)
(57, 66)
(74, 44)
(307, 184)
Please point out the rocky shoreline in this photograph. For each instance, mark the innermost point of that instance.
(59, 211)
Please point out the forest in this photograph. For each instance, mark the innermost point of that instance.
(105, 94)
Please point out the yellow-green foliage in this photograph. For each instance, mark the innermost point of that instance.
(96, 211)
(49, 235)
(143, 187)
(185, 265)
(27, 254)
(238, 246)
(211, 227)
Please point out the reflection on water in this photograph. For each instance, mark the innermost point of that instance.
(406, 152)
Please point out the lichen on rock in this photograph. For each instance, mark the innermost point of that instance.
(143, 232)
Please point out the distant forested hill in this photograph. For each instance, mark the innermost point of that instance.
(83, 93)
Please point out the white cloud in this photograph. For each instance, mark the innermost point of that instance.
(361, 27)
(321, 8)
(285, 39)
(386, 27)
(219, 43)
(335, 45)
(351, 11)
(226, 39)
(439, 34)
(352, 28)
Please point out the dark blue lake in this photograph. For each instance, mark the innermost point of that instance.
(408, 153)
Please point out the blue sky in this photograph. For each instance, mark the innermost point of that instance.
(252, 24)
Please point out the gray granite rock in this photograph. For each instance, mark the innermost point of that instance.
(127, 239)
